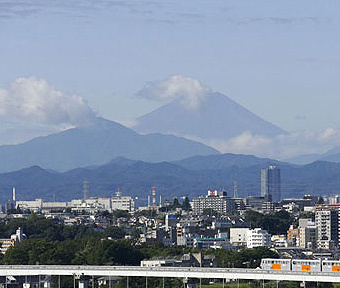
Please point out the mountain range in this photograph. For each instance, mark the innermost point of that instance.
(192, 176)
(96, 144)
(54, 166)
(332, 155)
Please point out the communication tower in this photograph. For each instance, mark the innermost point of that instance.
(85, 188)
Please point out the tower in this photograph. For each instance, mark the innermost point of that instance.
(13, 195)
(235, 189)
(271, 184)
(85, 189)
(154, 197)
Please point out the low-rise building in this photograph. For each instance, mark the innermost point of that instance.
(212, 243)
(33, 205)
(14, 240)
(293, 236)
(90, 205)
(258, 203)
(257, 238)
(238, 237)
(279, 241)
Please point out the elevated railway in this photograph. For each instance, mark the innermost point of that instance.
(168, 272)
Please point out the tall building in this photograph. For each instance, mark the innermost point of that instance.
(271, 184)
(217, 201)
(308, 233)
(327, 220)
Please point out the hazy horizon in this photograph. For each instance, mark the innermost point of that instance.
(64, 62)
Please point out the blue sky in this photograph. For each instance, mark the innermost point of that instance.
(278, 59)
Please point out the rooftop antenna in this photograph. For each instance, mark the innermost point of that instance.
(85, 188)
(118, 193)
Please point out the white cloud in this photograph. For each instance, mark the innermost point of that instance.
(282, 146)
(189, 90)
(245, 143)
(35, 100)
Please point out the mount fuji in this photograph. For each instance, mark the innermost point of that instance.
(217, 117)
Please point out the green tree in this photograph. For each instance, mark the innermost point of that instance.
(176, 203)
(121, 213)
(186, 204)
(320, 200)
(114, 232)
(244, 258)
(277, 223)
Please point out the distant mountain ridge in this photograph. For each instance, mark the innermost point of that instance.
(97, 144)
(176, 179)
(226, 160)
(217, 118)
(332, 155)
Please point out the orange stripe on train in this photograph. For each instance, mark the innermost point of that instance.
(305, 267)
(276, 266)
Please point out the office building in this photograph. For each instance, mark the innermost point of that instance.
(271, 184)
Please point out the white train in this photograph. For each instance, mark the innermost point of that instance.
(300, 265)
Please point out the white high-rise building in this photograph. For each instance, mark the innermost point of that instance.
(327, 219)
(217, 201)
